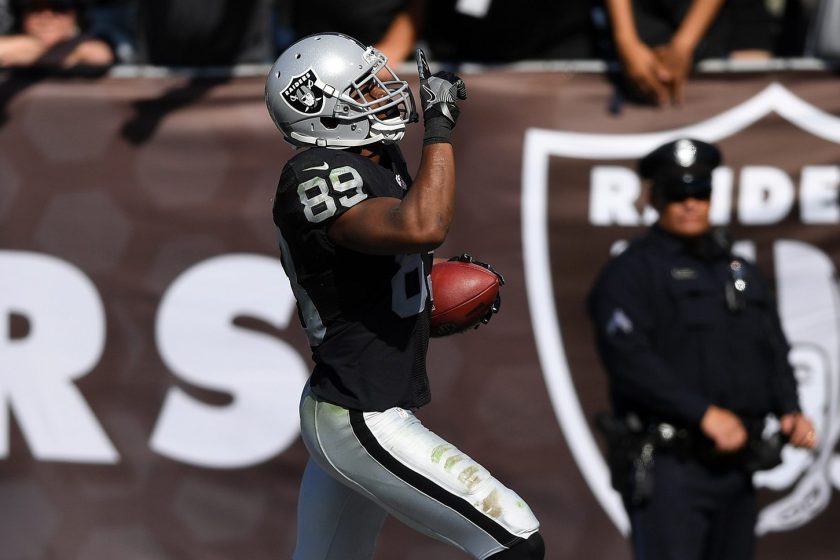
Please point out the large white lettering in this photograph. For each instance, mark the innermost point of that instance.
(820, 193)
(65, 340)
(765, 196)
(199, 342)
(720, 212)
(613, 196)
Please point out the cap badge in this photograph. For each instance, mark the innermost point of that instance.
(685, 152)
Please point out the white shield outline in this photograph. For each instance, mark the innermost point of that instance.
(539, 145)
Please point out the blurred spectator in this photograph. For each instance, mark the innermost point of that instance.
(819, 28)
(393, 26)
(790, 18)
(188, 32)
(192, 33)
(52, 33)
(6, 19)
(807, 28)
(206, 32)
(659, 41)
(114, 21)
(487, 31)
(823, 36)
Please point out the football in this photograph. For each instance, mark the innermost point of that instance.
(463, 295)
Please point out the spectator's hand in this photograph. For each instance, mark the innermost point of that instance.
(90, 52)
(724, 428)
(646, 71)
(20, 50)
(438, 97)
(799, 429)
(678, 60)
(399, 39)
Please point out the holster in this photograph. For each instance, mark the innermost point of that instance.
(630, 456)
(632, 446)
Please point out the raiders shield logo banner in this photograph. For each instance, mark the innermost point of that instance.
(302, 95)
(151, 356)
(805, 277)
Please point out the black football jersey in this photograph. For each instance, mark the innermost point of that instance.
(366, 316)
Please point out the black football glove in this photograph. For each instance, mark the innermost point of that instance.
(438, 95)
(496, 304)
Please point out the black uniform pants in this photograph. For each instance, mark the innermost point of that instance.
(695, 514)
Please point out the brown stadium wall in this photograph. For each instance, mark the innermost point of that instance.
(150, 357)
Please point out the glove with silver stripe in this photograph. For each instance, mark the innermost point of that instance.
(438, 97)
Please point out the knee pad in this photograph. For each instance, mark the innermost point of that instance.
(531, 548)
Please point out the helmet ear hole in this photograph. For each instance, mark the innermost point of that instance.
(329, 122)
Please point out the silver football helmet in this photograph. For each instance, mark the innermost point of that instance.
(330, 90)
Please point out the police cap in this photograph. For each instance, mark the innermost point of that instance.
(681, 169)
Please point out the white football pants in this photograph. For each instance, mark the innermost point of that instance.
(365, 465)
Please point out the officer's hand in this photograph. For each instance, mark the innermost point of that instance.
(799, 429)
(438, 95)
(724, 428)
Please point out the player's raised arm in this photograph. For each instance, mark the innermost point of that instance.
(421, 220)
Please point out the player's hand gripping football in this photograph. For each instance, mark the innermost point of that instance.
(438, 97)
(498, 302)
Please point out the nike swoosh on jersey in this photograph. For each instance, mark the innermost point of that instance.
(321, 167)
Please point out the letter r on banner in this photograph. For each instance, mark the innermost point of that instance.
(65, 341)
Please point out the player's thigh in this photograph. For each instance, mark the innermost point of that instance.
(335, 522)
(417, 476)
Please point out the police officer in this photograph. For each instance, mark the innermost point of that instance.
(691, 341)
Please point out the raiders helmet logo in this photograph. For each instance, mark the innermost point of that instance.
(303, 95)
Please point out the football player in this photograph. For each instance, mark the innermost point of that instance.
(356, 239)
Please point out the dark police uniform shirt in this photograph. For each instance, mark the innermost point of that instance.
(366, 316)
(672, 344)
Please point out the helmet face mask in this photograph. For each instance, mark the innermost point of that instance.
(330, 90)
